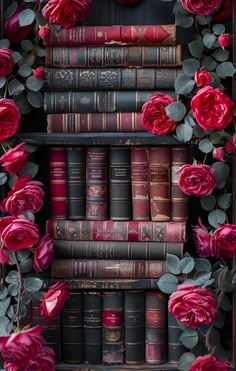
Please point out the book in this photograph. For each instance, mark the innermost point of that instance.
(95, 122)
(141, 250)
(96, 183)
(139, 158)
(76, 182)
(175, 347)
(95, 101)
(120, 183)
(105, 230)
(104, 78)
(159, 175)
(57, 183)
(114, 56)
(112, 35)
(101, 268)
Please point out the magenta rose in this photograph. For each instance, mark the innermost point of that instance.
(225, 40)
(38, 73)
(193, 306)
(7, 62)
(230, 146)
(43, 254)
(44, 360)
(12, 30)
(66, 12)
(44, 31)
(204, 242)
(208, 362)
(9, 118)
(197, 179)
(201, 7)
(20, 234)
(218, 154)
(202, 77)
(15, 159)
(212, 108)
(54, 300)
(4, 257)
(225, 239)
(154, 115)
(225, 11)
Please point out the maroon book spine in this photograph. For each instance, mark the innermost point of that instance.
(57, 179)
(111, 35)
(95, 122)
(140, 183)
(159, 170)
(106, 230)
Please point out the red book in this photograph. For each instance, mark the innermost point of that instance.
(111, 35)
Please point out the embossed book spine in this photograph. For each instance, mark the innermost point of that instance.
(92, 314)
(120, 183)
(159, 170)
(140, 183)
(102, 35)
(96, 183)
(175, 347)
(72, 328)
(76, 182)
(113, 327)
(156, 323)
(57, 179)
(134, 312)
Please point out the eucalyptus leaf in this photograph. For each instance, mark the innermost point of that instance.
(23, 105)
(29, 215)
(216, 82)
(30, 168)
(209, 40)
(190, 66)
(4, 322)
(32, 284)
(189, 120)
(186, 265)
(205, 146)
(23, 254)
(218, 29)
(3, 81)
(34, 84)
(167, 283)
(203, 20)
(172, 262)
(26, 17)
(13, 289)
(25, 70)
(28, 59)
(225, 69)
(185, 361)
(221, 172)
(15, 87)
(5, 43)
(225, 304)
(3, 291)
(184, 132)
(198, 132)
(26, 266)
(202, 265)
(12, 276)
(184, 84)
(221, 55)
(40, 19)
(225, 280)
(35, 99)
(4, 306)
(17, 57)
(209, 64)
(27, 45)
(10, 10)
(176, 111)
(3, 178)
(216, 217)
(224, 201)
(208, 202)
(41, 52)
(189, 338)
(201, 278)
(196, 48)
(183, 20)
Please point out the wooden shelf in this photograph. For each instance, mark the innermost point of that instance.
(123, 367)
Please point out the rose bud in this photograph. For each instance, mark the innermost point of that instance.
(225, 40)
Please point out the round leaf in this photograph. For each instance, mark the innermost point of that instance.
(167, 283)
(35, 99)
(209, 64)
(208, 202)
(190, 66)
(25, 70)
(32, 284)
(201, 278)
(184, 132)
(30, 168)
(176, 111)
(218, 29)
(209, 40)
(183, 20)
(4, 322)
(13, 289)
(205, 146)
(225, 69)
(2, 81)
(184, 84)
(186, 361)
(216, 217)
(196, 48)
(198, 132)
(224, 201)
(3, 291)
(203, 20)
(15, 87)
(23, 104)
(34, 84)
(12, 277)
(27, 45)
(172, 262)
(186, 265)
(189, 338)
(221, 55)
(3, 178)
(26, 17)
(26, 266)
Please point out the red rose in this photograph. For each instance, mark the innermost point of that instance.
(20, 234)
(202, 77)
(54, 300)
(44, 360)
(193, 306)
(44, 31)
(38, 73)
(9, 118)
(12, 30)
(230, 146)
(43, 254)
(6, 62)
(225, 239)
(218, 154)
(209, 362)
(201, 7)
(4, 257)
(225, 11)
(154, 115)
(225, 40)
(15, 159)
(5, 221)
(66, 12)
(197, 179)
(212, 108)
(204, 242)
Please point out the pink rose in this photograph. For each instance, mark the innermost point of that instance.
(204, 242)
(208, 362)
(12, 30)
(197, 179)
(154, 115)
(225, 239)
(38, 73)
(66, 13)
(201, 7)
(225, 11)
(193, 306)
(4, 257)
(230, 146)
(9, 118)
(7, 62)
(225, 40)
(43, 254)
(5, 221)
(218, 154)
(212, 108)
(202, 77)
(44, 31)
(20, 234)
(15, 159)
(54, 300)
(44, 360)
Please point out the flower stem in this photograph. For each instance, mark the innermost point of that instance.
(20, 290)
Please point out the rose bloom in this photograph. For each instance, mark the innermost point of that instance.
(54, 300)
(12, 30)
(197, 179)
(44, 360)
(212, 108)
(225, 40)
(225, 11)
(204, 242)
(44, 31)
(218, 154)
(7, 62)
(38, 73)
(225, 239)
(202, 77)
(208, 362)
(20, 234)
(9, 118)
(4, 257)
(201, 7)
(230, 146)
(15, 159)
(66, 12)
(43, 254)
(193, 306)
(154, 115)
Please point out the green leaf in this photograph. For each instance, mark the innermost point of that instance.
(17, 57)
(13, 289)
(172, 262)
(186, 361)
(41, 52)
(196, 48)
(15, 87)
(224, 201)
(209, 64)
(25, 298)
(27, 45)
(221, 55)
(26, 17)
(186, 265)
(189, 338)
(3, 291)
(225, 304)
(167, 283)
(23, 105)
(203, 20)
(225, 280)
(220, 320)
(221, 173)
(189, 120)
(205, 146)
(32, 284)
(12, 277)
(4, 306)
(25, 70)
(3, 81)
(183, 20)
(216, 217)
(3, 178)
(34, 84)
(176, 111)
(209, 40)
(23, 254)
(190, 66)
(29, 215)
(201, 278)
(208, 202)
(26, 266)
(30, 168)
(225, 69)
(40, 19)
(4, 322)
(28, 59)
(198, 132)
(10, 10)
(202, 265)
(184, 132)
(184, 84)
(218, 29)
(35, 99)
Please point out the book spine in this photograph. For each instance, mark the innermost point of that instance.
(72, 328)
(96, 183)
(134, 322)
(76, 182)
(140, 183)
(175, 347)
(110, 78)
(114, 56)
(111, 35)
(179, 200)
(92, 325)
(140, 250)
(95, 268)
(159, 170)
(95, 122)
(106, 230)
(120, 183)
(113, 327)
(57, 179)
(155, 334)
